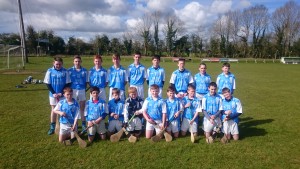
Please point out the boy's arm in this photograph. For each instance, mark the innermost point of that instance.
(125, 112)
(164, 112)
(50, 88)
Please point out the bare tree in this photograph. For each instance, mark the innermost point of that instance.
(156, 19)
(286, 24)
(143, 30)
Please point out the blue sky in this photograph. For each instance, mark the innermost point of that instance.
(87, 18)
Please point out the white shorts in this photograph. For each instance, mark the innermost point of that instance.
(122, 94)
(140, 90)
(208, 127)
(102, 94)
(79, 95)
(54, 101)
(135, 124)
(173, 126)
(99, 128)
(150, 126)
(114, 125)
(66, 129)
(159, 94)
(230, 127)
(185, 126)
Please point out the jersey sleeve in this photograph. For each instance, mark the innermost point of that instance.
(191, 79)
(47, 77)
(239, 108)
(164, 108)
(198, 108)
(147, 74)
(57, 107)
(172, 79)
(145, 105)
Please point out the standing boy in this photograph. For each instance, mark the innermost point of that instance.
(79, 79)
(68, 109)
(133, 106)
(212, 108)
(226, 79)
(190, 115)
(154, 111)
(174, 108)
(95, 113)
(180, 79)
(56, 79)
(156, 75)
(137, 74)
(232, 110)
(98, 76)
(202, 80)
(115, 110)
(117, 77)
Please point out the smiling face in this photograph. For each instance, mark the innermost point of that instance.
(155, 63)
(68, 95)
(95, 95)
(212, 90)
(57, 65)
(77, 63)
(97, 62)
(181, 65)
(136, 58)
(202, 69)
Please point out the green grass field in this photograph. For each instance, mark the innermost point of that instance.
(269, 127)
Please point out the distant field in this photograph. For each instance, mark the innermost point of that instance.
(269, 127)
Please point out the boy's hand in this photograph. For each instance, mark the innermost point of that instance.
(191, 122)
(227, 118)
(180, 96)
(176, 114)
(90, 123)
(212, 117)
(188, 105)
(212, 121)
(112, 114)
(63, 114)
(228, 112)
(136, 113)
(116, 116)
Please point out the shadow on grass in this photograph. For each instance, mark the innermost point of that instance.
(248, 127)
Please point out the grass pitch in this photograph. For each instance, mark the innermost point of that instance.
(269, 127)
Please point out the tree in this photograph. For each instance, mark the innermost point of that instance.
(31, 39)
(156, 18)
(143, 30)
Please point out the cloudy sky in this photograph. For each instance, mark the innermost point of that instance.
(87, 18)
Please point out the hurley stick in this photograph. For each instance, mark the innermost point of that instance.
(116, 137)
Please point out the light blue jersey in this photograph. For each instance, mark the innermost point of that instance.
(212, 104)
(155, 108)
(136, 74)
(95, 110)
(156, 76)
(117, 107)
(117, 77)
(71, 110)
(226, 81)
(173, 106)
(98, 78)
(195, 107)
(202, 83)
(57, 78)
(78, 78)
(234, 105)
(181, 80)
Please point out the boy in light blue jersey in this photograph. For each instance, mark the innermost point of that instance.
(202, 80)
(79, 79)
(117, 77)
(56, 79)
(137, 74)
(115, 110)
(192, 108)
(226, 79)
(211, 108)
(68, 109)
(155, 75)
(95, 113)
(232, 109)
(154, 111)
(174, 108)
(180, 79)
(98, 76)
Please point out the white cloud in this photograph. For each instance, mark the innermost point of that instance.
(161, 5)
(221, 6)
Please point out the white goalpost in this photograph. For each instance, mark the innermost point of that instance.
(11, 57)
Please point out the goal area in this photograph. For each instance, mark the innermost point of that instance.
(11, 57)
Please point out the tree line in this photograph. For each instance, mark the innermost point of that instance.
(253, 32)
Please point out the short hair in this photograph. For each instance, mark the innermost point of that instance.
(68, 89)
(58, 59)
(116, 56)
(154, 87)
(156, 57)
(171, 89)
(213, 84)
(138, 53)
(202, 64)
(94, 89)
(115, 91)
(226, 64)
(132, 90)
(225, 90)
(191, 86)
(98, 57)
(77, 57)
(181, 59)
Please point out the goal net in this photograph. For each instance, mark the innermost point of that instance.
(11, 57)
